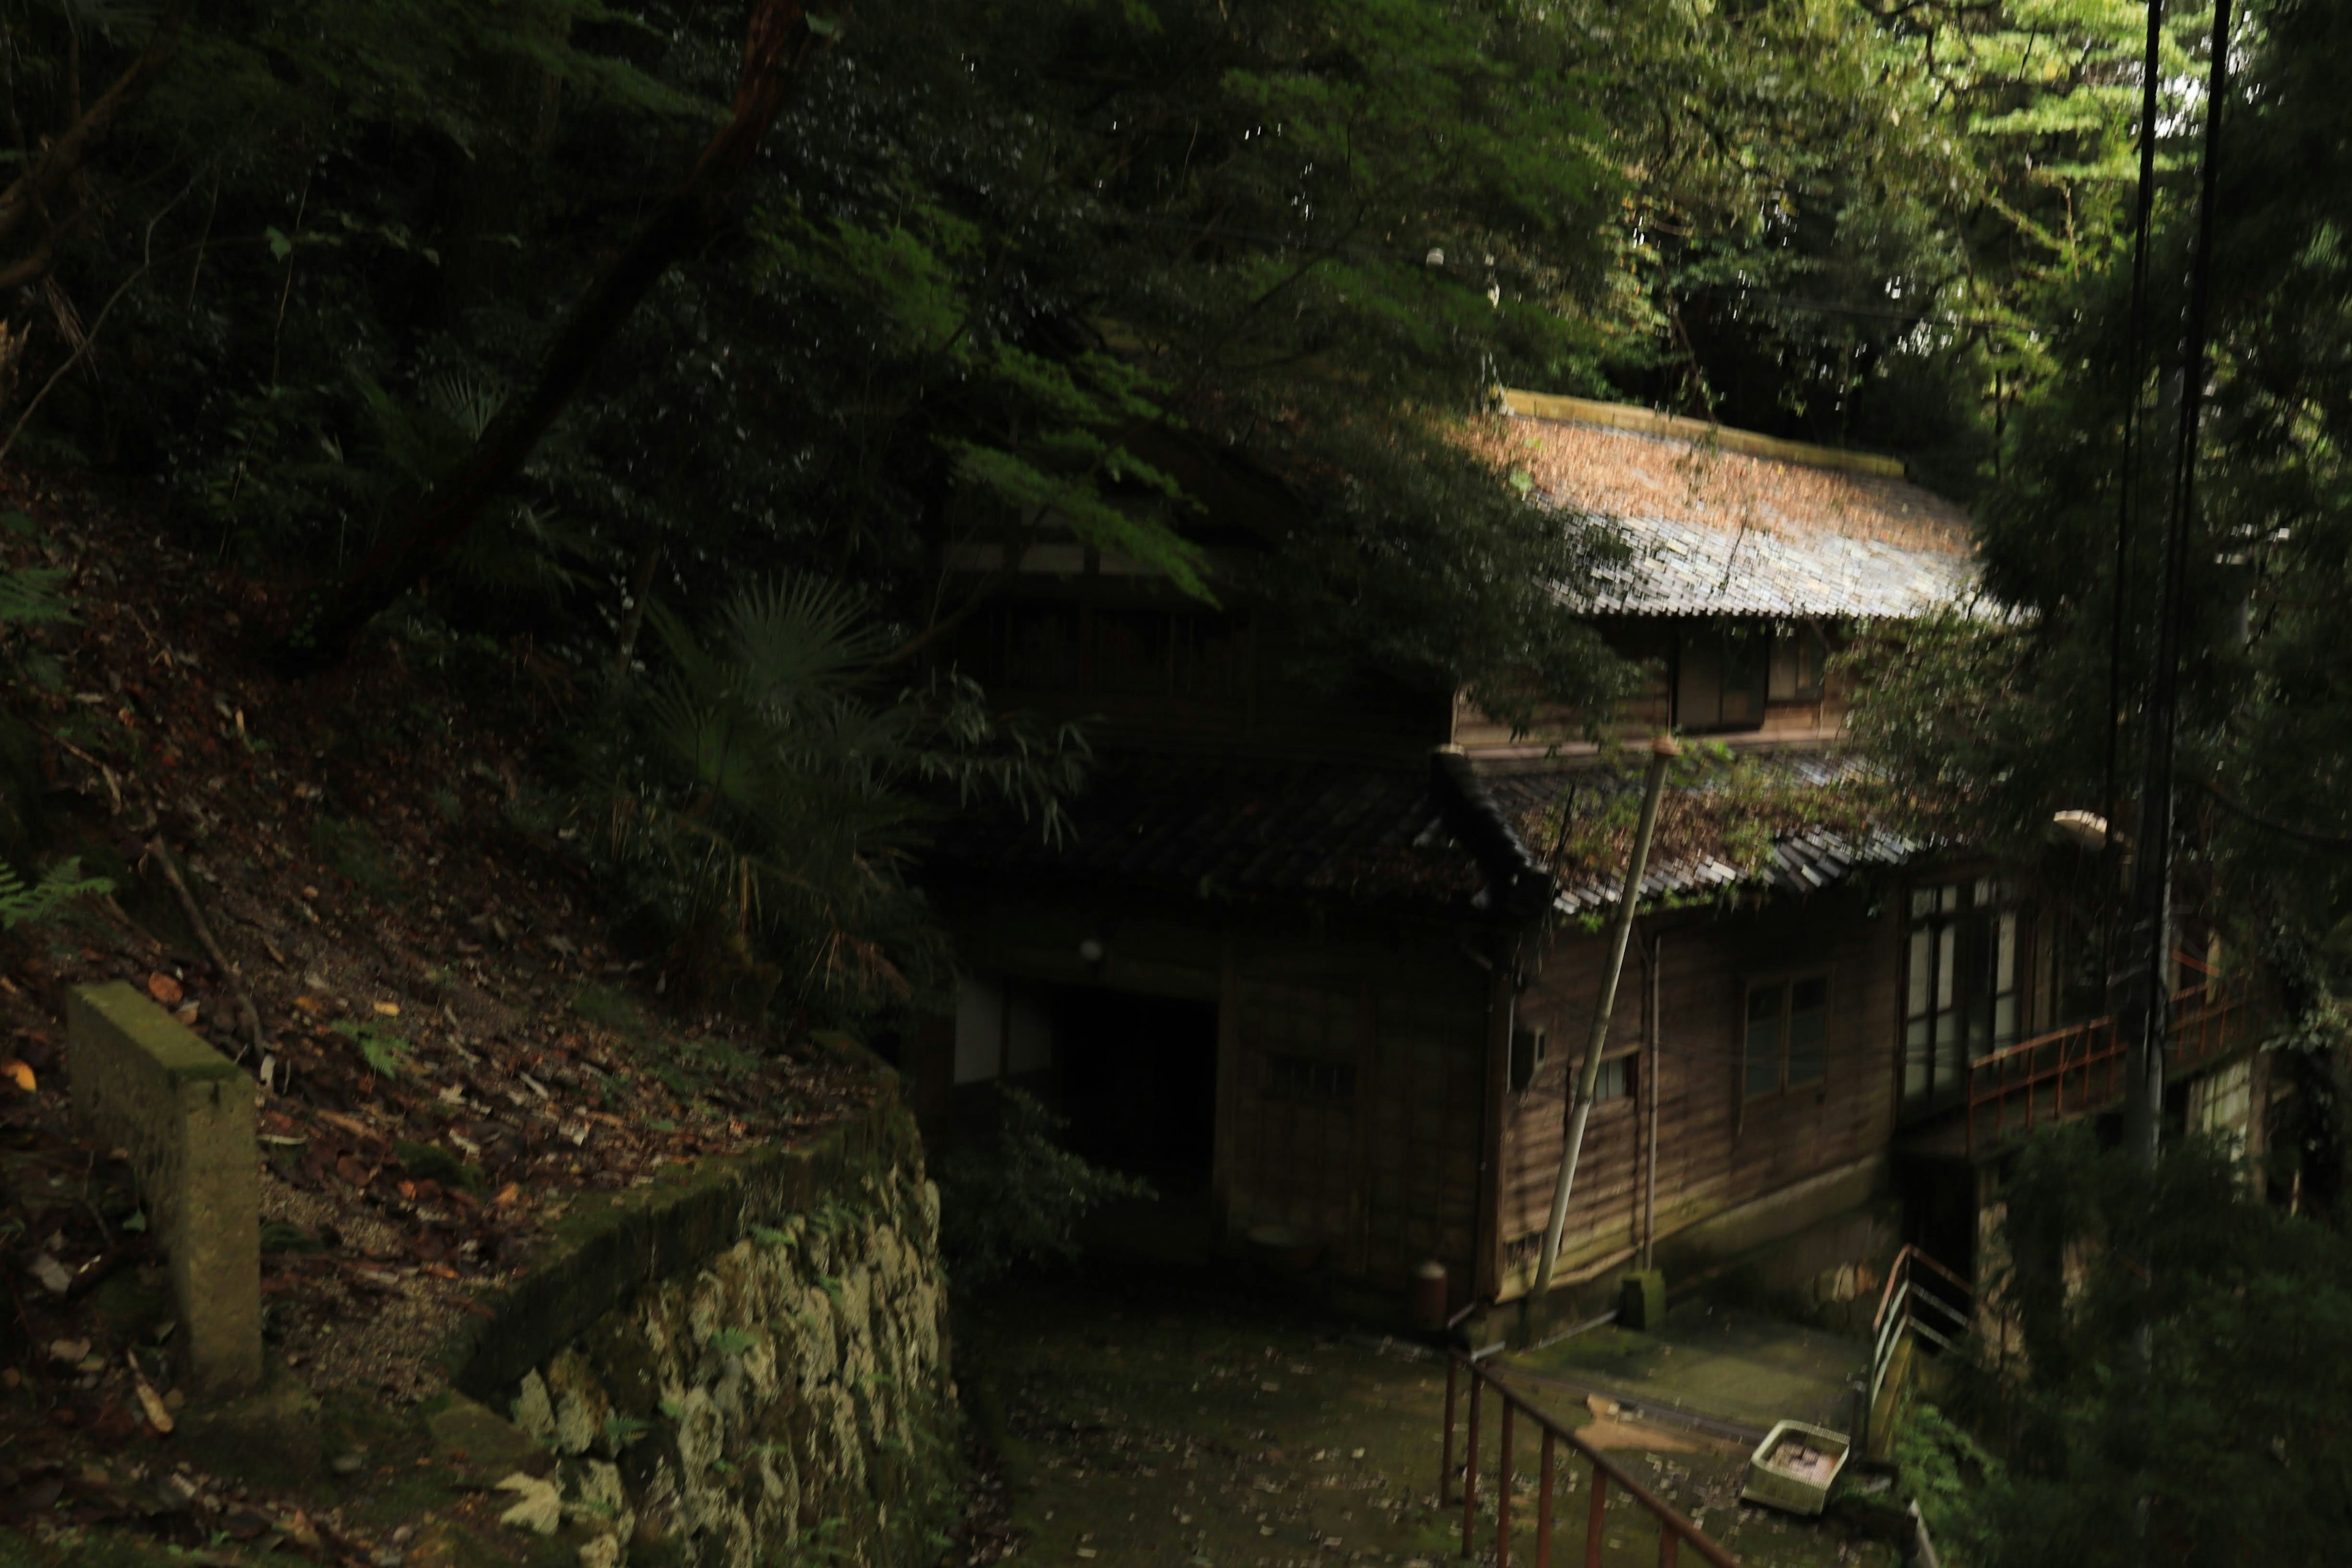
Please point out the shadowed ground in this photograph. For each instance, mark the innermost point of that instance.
(1151, 1420)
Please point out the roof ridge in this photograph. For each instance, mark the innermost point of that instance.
(1652, 422)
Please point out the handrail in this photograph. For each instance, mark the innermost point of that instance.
(2207, 1024)
(1674, 1529)
(1898, 1314)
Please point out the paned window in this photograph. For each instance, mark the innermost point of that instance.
(1964, 985)
(1788, 1033)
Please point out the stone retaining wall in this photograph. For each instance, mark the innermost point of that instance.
(748, 1364)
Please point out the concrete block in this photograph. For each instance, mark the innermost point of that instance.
(1641, 1300)
(185, 1113)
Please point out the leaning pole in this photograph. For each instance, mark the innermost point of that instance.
(1663, 751)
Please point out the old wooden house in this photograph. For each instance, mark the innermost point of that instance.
(1316, 962)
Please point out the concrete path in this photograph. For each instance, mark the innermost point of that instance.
(1721, 1369)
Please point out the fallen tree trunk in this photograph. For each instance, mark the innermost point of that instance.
(782, 38)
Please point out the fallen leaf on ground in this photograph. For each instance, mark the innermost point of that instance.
(164, 989)
(51, 1273)
(19, 1074)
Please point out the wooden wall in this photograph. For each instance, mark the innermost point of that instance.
(1715, 1148)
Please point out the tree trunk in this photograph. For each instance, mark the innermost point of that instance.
(782, 39)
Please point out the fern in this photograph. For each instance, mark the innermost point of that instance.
(35, 903)
(29, 596)
(386, 1054)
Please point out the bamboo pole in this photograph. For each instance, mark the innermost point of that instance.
(1663, 751)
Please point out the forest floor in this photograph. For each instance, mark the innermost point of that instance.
(1151, 1421)
(452, 1049)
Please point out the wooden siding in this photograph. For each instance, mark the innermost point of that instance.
(1716, 1147)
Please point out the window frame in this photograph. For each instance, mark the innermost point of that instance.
(1975, 922)
(1785, 981)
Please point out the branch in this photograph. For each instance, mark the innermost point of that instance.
(782, 39)
(2300, 835)
(188, 906)
(33, 190)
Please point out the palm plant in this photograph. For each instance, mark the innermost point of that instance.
(775, 788)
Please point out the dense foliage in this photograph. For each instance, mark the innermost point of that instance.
(1001, 270)
(1985, 717)
(2225, 1445)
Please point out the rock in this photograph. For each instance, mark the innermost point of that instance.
(491, 1446)
(346, 1464)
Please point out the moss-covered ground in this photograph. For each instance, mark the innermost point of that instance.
(1151, 1420)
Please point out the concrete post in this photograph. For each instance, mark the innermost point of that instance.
(144, 1083)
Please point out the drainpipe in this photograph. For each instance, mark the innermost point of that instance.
(1661, 751)
(1650, 1084)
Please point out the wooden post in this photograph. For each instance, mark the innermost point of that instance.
(1661, 751)
(1593, 1517)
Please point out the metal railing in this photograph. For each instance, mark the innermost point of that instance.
(1946, 1297)
(2077, 1069)
(2087, 1057)
(1674, 1529)
(2206, 1027)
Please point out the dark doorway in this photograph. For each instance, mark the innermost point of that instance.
(1939, 1210)
(1138, 1081)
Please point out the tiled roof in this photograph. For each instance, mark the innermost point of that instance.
(1356, 835)
(1393, 839)
(1691, 569)
(1688, 858)
(1713, 531)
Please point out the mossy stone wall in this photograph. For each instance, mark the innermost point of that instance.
(748, 1364)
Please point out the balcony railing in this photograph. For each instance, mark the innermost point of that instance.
(2078, 1069)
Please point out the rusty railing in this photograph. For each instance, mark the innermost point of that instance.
(2079, 1068)
(2206, 1027)
(1674, 1529)
(2089, 1057)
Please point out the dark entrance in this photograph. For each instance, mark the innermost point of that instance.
(1138, 1081)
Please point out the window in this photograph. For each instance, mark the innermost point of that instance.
(1720, 681)
(1307, 1080)
(1796, 661)
(1788, 1034)
(1529, 1050)
(1617, 1078)
(1963, 986)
